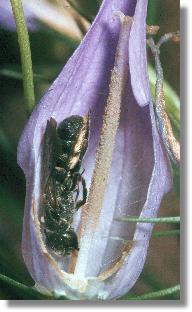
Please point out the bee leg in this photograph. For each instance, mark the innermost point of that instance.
(77, 191)
(79, 179)
(83, 201)
(74, 180)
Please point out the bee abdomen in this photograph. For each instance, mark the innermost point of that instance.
(61, 241)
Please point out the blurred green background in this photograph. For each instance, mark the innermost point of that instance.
(51, 49)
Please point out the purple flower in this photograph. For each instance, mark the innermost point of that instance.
(106, 267)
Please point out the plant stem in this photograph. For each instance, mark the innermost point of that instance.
(25, 52)
(25, 292)
(166, 233)
(18, 75)
(150, 220)
(154, 235)
(155, 285)
(156, 294)
(164, 125)
(152, 12)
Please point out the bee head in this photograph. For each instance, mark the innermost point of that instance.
(70, 128)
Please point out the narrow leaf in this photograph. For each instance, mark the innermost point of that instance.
(156, 294)
(150, 220)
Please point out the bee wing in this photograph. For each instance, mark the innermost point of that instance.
(50, 152)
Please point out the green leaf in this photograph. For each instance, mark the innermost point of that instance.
(155, 295)
(42, 73)
(166, 233)
(151, 281)
(18, 75)
(11, 289)
(154, 235)
(153, 6)
(150, 220)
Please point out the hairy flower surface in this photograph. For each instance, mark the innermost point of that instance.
(112, 253)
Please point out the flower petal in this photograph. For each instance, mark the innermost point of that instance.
(156, 161)
(138, 55)
(68, 95)
(140, 172)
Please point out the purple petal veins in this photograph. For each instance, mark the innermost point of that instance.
(140, 172)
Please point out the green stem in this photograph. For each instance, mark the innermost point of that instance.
(156, 294)
(25, 52)
(155, 285)
(150, 220)
(166, 233)
(25, 292)
(18, 75)
(152, 12)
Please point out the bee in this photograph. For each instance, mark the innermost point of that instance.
(63, 150)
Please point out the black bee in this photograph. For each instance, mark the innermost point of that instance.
(63, 150)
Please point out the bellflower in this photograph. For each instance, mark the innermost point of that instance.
(109, 67)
